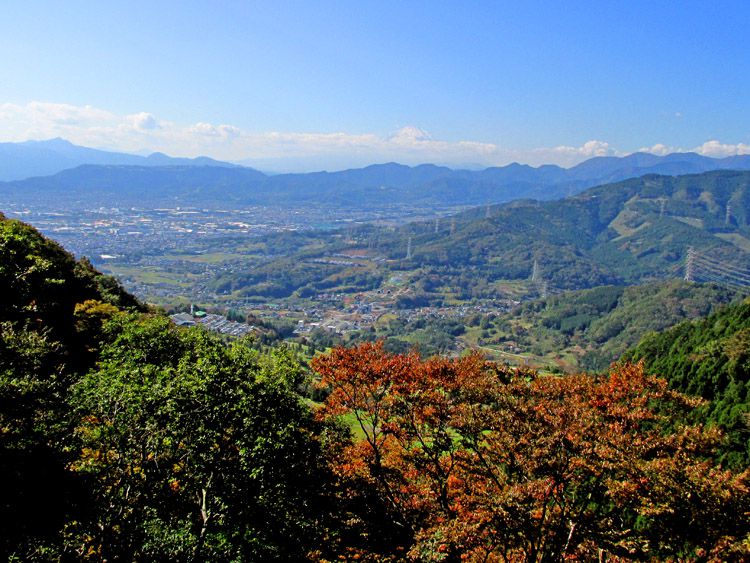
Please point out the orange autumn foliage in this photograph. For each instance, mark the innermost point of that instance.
(480, 462)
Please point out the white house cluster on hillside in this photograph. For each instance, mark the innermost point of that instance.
(215, 323)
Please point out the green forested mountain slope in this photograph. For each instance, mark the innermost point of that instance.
(710, 358)
(43, 344)
(626, 233)
(589, 329)
(42, 284)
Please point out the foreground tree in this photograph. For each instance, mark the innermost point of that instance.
(480, 462)
(194, 451)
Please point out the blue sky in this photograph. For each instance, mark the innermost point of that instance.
(313, 84)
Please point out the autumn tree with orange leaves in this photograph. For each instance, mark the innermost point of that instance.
(462, 459)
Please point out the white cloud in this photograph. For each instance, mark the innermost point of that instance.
(589, 149)
(713, 148)
(717, 150)
(37, 119)
(658, 149)
(67, 115)
(143, 121)
(89, 126)
(209, 130)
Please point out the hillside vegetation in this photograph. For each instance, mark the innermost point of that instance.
(626, 233)
(611, 234)
(569, 332)
(709, 358)
(589, 329)
(50, 305)
(125, 438)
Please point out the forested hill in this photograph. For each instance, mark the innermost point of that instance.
(158, 180)
(113, 422)
(630, 232)
(591, 328)
(710, 358)
(41, 283)
(50, 307)
(627, 232)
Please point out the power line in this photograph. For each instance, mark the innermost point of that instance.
(535, 272)
(723, 281)
(717, 262)
(720, 269)
(701, 267)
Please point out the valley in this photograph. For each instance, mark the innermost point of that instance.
(497, 278)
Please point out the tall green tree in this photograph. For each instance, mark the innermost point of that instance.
(195, 450)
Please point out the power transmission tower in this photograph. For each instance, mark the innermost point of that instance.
(728, 217)
(453, 225)
(488, 212)
(437, 225)
(535, 272)
(690, 265)
(539, 283)
(408, 249)
(663, 207)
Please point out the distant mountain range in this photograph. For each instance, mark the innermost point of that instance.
(43, 158)
(83, 174)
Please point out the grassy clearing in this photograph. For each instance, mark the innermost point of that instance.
(692, 221)
(736, 239)
(349, 420)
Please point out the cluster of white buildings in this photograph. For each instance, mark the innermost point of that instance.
(215, 323)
